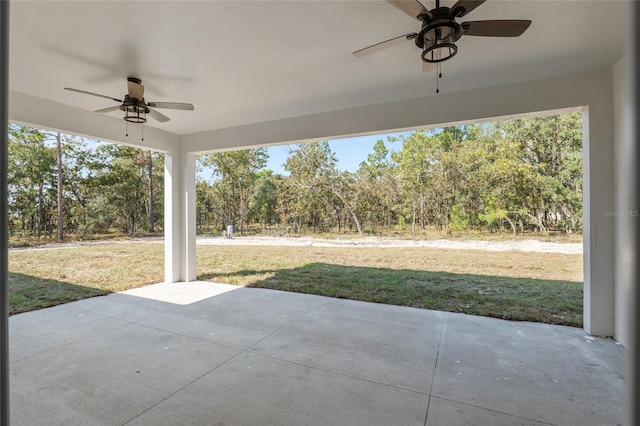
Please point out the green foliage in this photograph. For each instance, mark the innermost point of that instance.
(227, 199)
(32, 183)
(325, 195)
(518, 176)
(105, 187)
(264, 200)
(378, 187)
(514, 176)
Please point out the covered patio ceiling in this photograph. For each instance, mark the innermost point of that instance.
(243, 62)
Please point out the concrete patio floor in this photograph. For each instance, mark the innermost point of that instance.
(213, 354)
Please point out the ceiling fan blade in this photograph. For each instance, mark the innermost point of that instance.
(171, 105)
(462, 7)
(384, 44)
(157, 116)
(412, 8)
(109, 109)
(135, 89)
(92, 94)
(497, 28)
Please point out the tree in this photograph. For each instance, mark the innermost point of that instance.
(151, 218)
(523, 175)
(552, 145)
(312, 168)
(81, 188)
(378, 187)
(60, 198)
(286, 201)
(264, 199)
(423, 180)
(236, 174)
(123, 183)
(32, 179)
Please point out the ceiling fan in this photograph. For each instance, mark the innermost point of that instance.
(134, 106)
(440, 30)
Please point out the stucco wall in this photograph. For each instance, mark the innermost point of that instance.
(624, 211)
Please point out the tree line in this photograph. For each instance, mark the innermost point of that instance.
(61, 184)
(511, 176)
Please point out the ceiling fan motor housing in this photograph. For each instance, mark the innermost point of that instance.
(438, 35)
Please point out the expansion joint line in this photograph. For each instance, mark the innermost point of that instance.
(435, 365)
(313, 308)
(243, 351)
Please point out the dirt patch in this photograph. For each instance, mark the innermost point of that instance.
(508, 245)
(520, 245)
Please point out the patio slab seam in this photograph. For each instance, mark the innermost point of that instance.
(181, 388)
(74, 342)
(308, 311)
(242, 351)
(14, 361)
(492, 410)
(137, 321)
(190, 336)
(443, 328)
(340, 373)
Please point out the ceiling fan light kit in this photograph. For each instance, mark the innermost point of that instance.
(134, 114)
(438, 40)
(439, 31)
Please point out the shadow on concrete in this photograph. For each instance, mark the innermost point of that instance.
(239, 356)
(519, 299)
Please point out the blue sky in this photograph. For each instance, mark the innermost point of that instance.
(350, 152)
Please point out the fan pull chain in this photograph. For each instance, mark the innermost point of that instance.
(142, 129)
(126, 133)
(438, 77)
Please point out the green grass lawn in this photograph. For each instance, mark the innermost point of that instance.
(513, 285)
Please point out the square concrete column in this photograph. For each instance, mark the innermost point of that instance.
(598, 234)
(188, 218)
(179, 217)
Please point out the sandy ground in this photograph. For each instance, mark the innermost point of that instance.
(521, 245)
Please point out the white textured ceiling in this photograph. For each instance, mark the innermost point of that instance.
(242, 62)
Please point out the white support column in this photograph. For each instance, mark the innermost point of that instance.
(4, 249)
(188, 217)
(598, 234)
(179, 217)
(172, 228)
